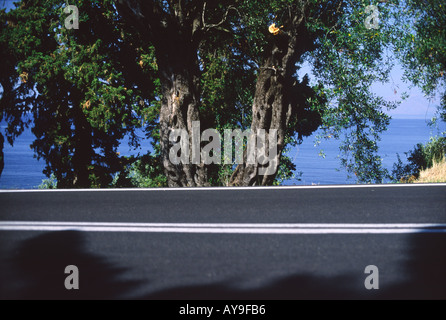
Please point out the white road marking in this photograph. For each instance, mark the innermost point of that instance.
(346, 186)
(229, 228)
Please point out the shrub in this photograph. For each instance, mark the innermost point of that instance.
(420, 158)
(50, 183)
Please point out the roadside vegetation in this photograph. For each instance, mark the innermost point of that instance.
(425, 163)
(435, 174)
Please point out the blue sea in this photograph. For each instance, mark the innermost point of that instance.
(23, 171)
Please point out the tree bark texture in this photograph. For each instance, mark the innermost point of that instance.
(273, 105)
(175, 35)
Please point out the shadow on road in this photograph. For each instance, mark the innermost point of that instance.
(298, 287)
(37, 272)
(424, 270)
(37, 265)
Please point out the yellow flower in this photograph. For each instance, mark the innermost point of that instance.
(273, 29)
(24, 77)
(86, 105)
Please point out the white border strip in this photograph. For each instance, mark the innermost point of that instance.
(228, 228)
(343, 186)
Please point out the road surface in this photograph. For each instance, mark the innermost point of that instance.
(241, 243)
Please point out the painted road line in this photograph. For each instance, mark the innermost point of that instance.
(228, 228)
(346, 186)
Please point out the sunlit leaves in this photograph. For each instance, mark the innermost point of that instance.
(422, 47)
(349, 59)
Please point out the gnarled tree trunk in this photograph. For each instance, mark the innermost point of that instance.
(179, 73)
(273, 107)
(174, 33)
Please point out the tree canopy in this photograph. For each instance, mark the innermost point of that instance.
(234, 64)
(422, 46)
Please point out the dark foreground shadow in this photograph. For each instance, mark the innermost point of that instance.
(424, 270)
(299, 287)
(37, 270)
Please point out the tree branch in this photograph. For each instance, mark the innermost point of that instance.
(207, 27)
(147, 15)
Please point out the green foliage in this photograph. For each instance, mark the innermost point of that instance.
(15, 90)
(420, 158)
(227, 90)
(286, 171)
(421, 45)
(349, 58)
(146, 173)
(50, 183)
(86, 89)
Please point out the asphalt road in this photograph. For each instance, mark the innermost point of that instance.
(267, 243)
